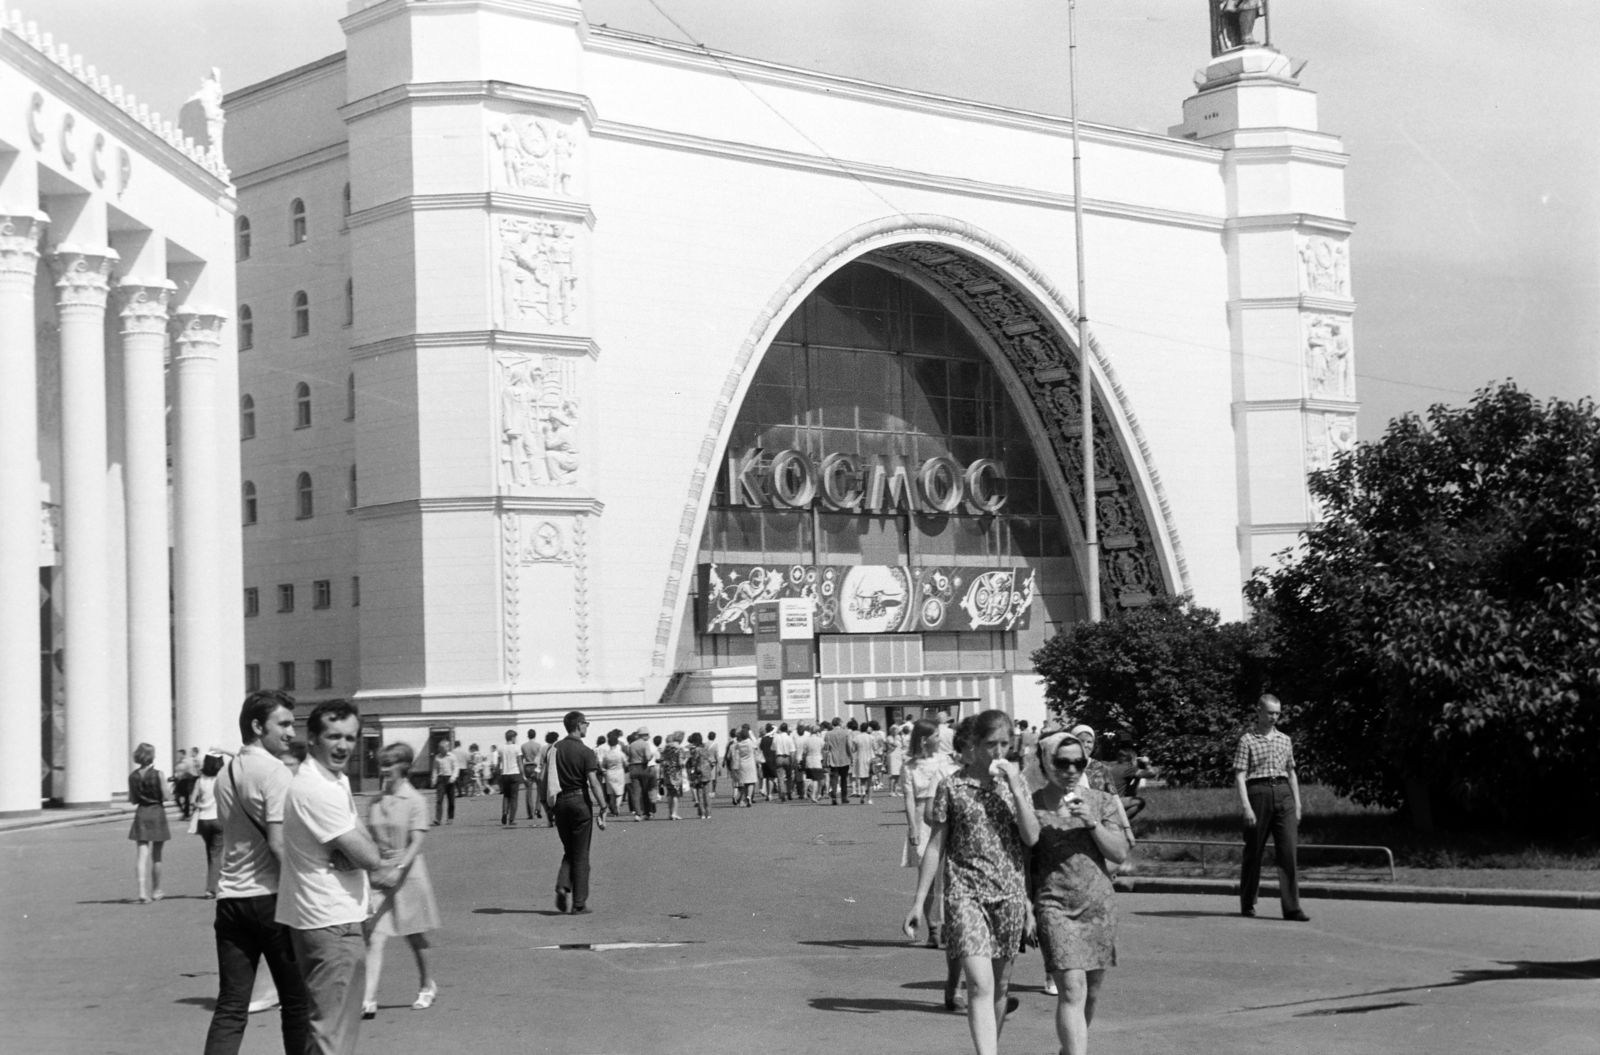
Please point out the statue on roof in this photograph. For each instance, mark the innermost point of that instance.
(202, 116)
(1234, 25)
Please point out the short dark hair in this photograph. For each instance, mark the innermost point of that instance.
(694, 738)
(573, 719)
(530, 733)
(551, 737)
(211, 766)
(144, 754)
(258, 707)
(783, 727)
(329, 711)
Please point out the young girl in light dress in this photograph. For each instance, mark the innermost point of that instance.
(398, 821)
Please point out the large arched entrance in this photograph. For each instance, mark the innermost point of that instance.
(907, 454)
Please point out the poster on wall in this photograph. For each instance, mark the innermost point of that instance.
(868, 598)
(785, 666)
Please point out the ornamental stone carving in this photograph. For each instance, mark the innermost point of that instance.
(1324, 266)
(546, 545)
(144, 306)
(83, 276)
(538, 420)
(532, 155)
(1330, 367)
(538, 279)
(19, 244)
(1327, 437)
(199, 334)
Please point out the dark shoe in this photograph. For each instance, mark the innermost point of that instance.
(1012, 1003)
(950, 996)
(1250, 911)
(561, 901)
(1297, 916)
(582, 910)
(933, 935)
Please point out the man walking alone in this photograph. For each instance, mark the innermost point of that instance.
(574, 793)
(1269, 795)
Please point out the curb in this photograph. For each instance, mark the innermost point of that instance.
(1578, 899)
(64, 818)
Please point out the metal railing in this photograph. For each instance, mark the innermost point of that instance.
(1302, 848)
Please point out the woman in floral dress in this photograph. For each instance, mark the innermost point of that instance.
(702, 774)
(1079, 831)
(980, 822)
(674, 773)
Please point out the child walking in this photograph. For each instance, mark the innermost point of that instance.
(398, 820)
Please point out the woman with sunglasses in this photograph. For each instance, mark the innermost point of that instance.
(1079, 832)
(979, 825)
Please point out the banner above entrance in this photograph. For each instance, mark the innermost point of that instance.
(869, 598)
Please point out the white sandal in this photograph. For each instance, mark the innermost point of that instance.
(426, 997)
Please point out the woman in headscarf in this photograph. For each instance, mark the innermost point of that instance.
(1079, 833)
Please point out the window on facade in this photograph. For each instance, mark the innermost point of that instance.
(302, 497)
(322, 594)
(324, 673)
(355, 591)
(286, 675)
(249, 502)
(297, 222)
(302, 314)
(241, 241)
(350, 398)
(252, 601)
(302, 406)
(352, 487)
(349, 302)
(286, 597)
(252, 677)
(247, 328)
(247, 417)
(347, 199)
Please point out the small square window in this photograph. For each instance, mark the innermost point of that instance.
(355, 591)
(286, 675)
(286, 597)
(322, 594)
(252, 601)
(324, 673)
(252, 677)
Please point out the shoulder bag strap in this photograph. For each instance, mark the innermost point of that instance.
(238, 798)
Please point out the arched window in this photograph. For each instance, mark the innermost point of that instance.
(247, 418)
(241, 241)
(349, 302)
(352, 487)
(302, 406)
(302, 497)
(350, 397)
(302, 313)
(347, 199)
(297, 222)
(249, 502)
(247, 328)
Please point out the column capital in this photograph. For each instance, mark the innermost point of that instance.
(19, 242)
(144, 304)
(83, 275)
(199, 333)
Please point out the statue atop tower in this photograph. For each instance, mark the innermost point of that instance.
(1239, 24)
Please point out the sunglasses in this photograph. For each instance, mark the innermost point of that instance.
(1070, 763)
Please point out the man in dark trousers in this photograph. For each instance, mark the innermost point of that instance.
(574, 793)
(1269, 794)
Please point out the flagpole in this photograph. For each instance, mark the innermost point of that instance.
(1091, 521)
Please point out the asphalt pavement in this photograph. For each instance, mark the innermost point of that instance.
(775, 929)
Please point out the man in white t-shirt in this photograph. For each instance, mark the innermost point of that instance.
(322, 898)
(783, 746)
(508, 760)
(250, 795)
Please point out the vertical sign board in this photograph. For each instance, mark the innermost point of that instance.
(786, 688)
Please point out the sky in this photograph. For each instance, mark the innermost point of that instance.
(1472, 127)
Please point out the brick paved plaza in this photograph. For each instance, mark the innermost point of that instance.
(789, 915)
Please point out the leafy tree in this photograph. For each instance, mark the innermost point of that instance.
(1440, 625)
(1171, 674)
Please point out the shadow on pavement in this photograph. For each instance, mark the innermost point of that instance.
(859, 943)
(873, 1005)
(517, 912)
(1183, 914)
(204, 1003)
(1359, 1010)
(1512, 971)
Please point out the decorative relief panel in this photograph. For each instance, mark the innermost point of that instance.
(1130, 574)
(1327, 436)
(532, 155)
(1324, 266)
(549, 545)
(1330, 364)
(538, 279)
(538, 421)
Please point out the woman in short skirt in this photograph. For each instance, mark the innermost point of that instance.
(980, 822)
(149, 831)
(398, 820)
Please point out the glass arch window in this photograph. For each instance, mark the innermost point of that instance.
(302, 313)
(249, 502)
(303, 497)
(297, 222)
(302, 406)
(241, 239)
(247, 328)
(247, 417)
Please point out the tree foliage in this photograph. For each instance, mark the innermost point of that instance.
(1181, 682)
(1440, 625)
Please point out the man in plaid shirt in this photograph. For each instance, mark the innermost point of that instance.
(1269, 793)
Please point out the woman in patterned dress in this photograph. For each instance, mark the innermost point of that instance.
(980, 823)
(1079, 832)
(702, 774)
(674, 772)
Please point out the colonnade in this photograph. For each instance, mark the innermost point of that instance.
(90, 278)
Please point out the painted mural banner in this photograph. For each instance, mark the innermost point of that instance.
(868, 598)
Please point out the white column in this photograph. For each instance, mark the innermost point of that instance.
(81, 286)
(198, 617)
(19, 516)
(144, 347)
